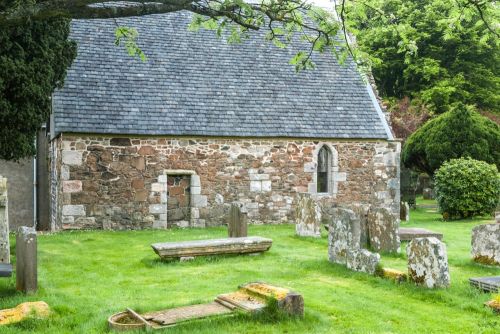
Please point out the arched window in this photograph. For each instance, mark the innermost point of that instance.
(323, 172)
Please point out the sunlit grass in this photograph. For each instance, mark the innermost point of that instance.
(87, 276)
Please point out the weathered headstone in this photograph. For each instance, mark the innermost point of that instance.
(428, 262)
(237, 224)
(486, 244)
(362, 260)
(4, 223)
(428, 193)
(26, 257)
(383, 230)
(343, 235)
(497, 217)
(404, 213)
(307, 217)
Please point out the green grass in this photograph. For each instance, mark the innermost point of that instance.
(87, 276)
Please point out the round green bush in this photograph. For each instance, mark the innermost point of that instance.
(466, 187)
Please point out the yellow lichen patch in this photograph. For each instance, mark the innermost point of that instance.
(266, 290)
(394, 274)
(24, 311)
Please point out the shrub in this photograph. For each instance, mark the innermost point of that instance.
(461, 132)
(466, 187)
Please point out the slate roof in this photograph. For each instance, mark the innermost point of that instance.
(196, 84)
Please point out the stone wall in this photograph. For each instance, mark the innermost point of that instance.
(20, 176)
(121, 183)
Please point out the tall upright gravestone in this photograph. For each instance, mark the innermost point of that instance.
(383, 230)
(237, 223)
(307, 217)
(4, 223)
(26, 260)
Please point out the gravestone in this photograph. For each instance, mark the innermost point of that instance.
(26, 257)
(497, 217)
(404, 212)
(237, 223)
(307, 217)
(428, 193)
(428, 262)
(486, 244)
(343, 235)
(362, 260)
(383, 230)
(4, 223)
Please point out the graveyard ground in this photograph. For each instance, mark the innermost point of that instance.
(87, 276)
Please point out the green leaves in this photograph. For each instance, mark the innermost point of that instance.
(128, 37)
(461, 132)
(466, 187)
(33, 60)
(423, 49)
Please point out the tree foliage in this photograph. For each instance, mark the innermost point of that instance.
(440, 51)
(461, 132)
(34, 56)
(466, 187)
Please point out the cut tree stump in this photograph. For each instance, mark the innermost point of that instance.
(175, 250)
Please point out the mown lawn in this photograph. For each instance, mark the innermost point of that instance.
(87, 276)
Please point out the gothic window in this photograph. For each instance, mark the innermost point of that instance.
(324, 167)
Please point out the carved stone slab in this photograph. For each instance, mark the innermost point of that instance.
(172, 250)
(186, 313)
(488, 284)
(410, 233)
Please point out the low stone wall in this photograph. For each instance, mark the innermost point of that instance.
(4, 223)
(118, 183)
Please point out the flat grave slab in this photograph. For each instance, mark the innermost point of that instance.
(488, 284)
(250, 297)
(172, 250)
(5, 270)
(410, 233)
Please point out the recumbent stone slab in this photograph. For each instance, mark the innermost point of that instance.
(486, 244)
(343, 235)
(428, 262)
(383, 230)
(307, 217)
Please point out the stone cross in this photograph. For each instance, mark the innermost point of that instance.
(486, 244)
(307, 217)
(237, 224)
(428, 262)
(26, 256)
(383, 230)
(4, 223)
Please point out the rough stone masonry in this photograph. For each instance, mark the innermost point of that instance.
(107, 182)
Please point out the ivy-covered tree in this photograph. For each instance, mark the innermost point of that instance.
(34, 56)
(438, 51)
(461, 132)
